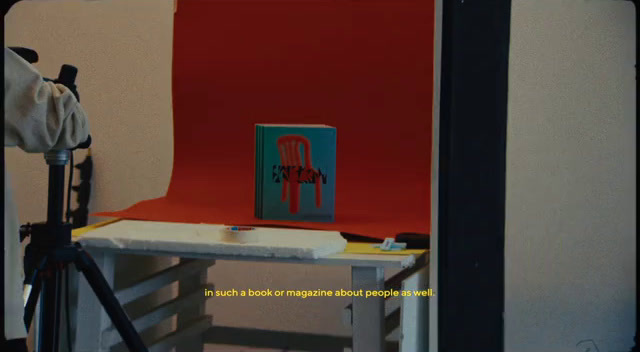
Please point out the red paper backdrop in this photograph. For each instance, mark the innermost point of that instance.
(365, 67)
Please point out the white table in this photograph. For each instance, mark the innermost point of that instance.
(371, 318)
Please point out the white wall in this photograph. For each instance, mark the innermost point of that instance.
(122, 49)
(570, 228)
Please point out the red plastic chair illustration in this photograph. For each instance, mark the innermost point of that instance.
(289, 147)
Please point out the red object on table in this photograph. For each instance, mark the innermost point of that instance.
(364, 67)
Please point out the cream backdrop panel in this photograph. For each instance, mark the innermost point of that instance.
(571, 205)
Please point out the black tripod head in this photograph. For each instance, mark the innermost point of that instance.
(66, 77)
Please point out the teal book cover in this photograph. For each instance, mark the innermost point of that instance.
(295, 172)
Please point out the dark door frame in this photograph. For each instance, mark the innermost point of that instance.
(471, 174)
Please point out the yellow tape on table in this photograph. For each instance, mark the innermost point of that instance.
(367, 248)
(81, 231)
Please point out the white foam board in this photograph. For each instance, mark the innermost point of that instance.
(214, 239)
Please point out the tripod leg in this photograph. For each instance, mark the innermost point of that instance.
(34, 263)
(32, 301)
(50, 311)
(100, 287)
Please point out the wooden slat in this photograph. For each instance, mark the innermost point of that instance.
(197, 328)
(159, 313)
(160, 279)
(171, 340)
(389, 307)
(279, 340)
(392, 321)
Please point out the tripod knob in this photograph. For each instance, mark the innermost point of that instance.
(84, 145)
(25, 231)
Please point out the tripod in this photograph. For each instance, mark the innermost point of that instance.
(48, 255)
(51, 251)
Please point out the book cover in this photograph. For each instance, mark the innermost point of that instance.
(295, 172)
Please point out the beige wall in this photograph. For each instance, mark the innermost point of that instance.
(122, 49)
(570, 222)
(570, 205)
(123, 53)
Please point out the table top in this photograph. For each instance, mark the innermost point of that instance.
(356, 254)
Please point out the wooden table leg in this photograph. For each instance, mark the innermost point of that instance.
(92, 320)
(187, 285)
(414, 314)
(368, 313)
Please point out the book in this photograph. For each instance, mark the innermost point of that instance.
(295, 169)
